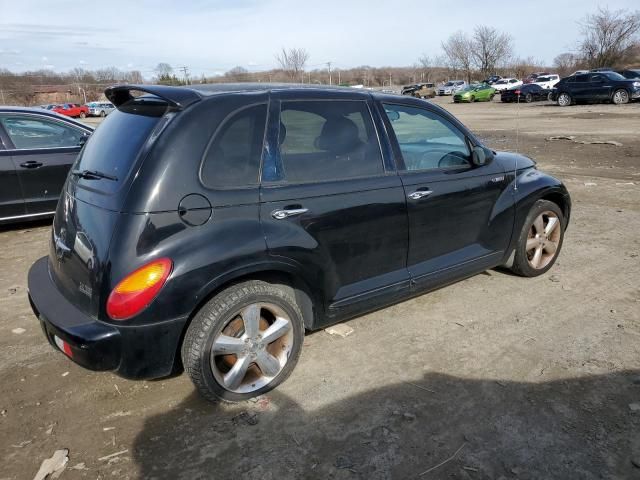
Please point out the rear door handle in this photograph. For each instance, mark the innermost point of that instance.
(288, 212)
(418, 194)
(31, 164)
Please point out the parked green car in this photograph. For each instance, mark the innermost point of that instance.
(475, 93)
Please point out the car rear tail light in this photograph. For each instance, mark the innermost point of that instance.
(138, 289)
(517, 92)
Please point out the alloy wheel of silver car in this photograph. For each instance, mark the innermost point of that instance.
(252, 348)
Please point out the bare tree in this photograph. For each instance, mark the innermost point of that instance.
(163, 69)
(293, 61)
(489, 47)
(238, 74)
(458, 50)
(609, 36)
(566, 63)
(426, 64)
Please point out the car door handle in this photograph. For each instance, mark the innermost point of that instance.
(418, 194)
(288, 212)
(31, 164)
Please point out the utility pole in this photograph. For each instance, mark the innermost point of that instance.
(185, 71)
(329, 67)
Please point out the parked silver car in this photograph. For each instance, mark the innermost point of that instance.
(452, 87)
(100, 109)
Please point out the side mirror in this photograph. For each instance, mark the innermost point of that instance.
(83, 139)
(481, 156)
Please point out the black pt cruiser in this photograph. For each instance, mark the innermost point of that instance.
(208, 227)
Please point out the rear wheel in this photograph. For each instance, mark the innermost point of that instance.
(620, 97)
(243, 342)
(564, 99)
(540, 240)
(102, 114)
(83, 115)
(472, 99)
(491, 97)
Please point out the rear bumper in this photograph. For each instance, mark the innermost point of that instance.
(146, 351)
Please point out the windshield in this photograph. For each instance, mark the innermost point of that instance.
(542, 79)
(448, 84)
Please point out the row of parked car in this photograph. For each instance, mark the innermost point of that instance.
(73, 110)
(596, 85)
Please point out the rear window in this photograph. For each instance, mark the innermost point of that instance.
(117, 142)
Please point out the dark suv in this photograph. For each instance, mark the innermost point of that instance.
(595, 87)
(208, 227)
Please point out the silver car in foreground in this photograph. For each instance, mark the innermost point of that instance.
(100, 109)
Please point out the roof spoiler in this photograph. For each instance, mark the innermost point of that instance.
(176, 97)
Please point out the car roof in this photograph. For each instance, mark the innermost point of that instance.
(43, 113)
(182, 97)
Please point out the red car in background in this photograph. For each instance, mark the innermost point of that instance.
(72, 110)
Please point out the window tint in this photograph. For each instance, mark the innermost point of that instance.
(323, 140)
(115, 145)
(232, 159)
(427, 141)
(581, 78)
(30, 132)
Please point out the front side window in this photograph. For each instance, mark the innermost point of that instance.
(27, 132)
(327, 140)
(427, 141)
(232, 158)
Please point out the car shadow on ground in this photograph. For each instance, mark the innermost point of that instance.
(580, 428)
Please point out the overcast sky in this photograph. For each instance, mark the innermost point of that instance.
(211, 37)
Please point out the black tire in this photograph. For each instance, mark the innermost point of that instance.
(83, 115)
(521, 265)
(528, 98)
(472, 99)
(102, 114)
(491, 97)
(215, 315)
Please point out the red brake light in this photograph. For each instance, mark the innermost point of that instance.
(517, 92)
(138, 289)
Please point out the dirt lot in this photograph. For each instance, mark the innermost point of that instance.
(523, 378)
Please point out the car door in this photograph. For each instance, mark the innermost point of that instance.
(11, 200)
(329, 202)
(454, 229)
(580, 87)
(42, 151)
(599, 87)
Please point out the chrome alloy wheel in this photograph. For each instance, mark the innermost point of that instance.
(564, 100)
(620, 97)
(252, 348)
(543, 240)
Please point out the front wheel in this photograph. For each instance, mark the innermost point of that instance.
(472, 99)
(491, 97)
(564, 99)
(102, 114)
(528, 98)
(620, 97)
(243, 342)
(540, 240)
(83, 115)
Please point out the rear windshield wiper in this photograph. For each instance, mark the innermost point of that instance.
(93, 175)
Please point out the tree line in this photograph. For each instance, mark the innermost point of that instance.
(608, 38)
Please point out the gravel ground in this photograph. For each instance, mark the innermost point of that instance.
(495, 377)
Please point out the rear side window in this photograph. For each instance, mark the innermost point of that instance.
(327, 140)
(232, 159)
(117, 142)
(27, 132)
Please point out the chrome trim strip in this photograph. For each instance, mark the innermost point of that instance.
(28, 215)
